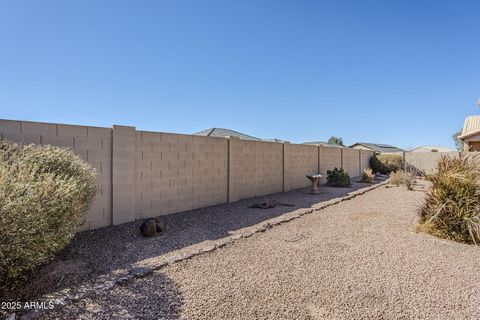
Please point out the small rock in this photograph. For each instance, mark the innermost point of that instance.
(140, 272)
(149, 228)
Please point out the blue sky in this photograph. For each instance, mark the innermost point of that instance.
(399, 72)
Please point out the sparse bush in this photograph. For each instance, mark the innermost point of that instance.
(403, 177)
(44, 193)
(338, 178)
(452, 206)
(396, 178)
(368, 175)
(386, 163)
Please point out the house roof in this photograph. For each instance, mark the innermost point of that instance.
(471, 127)
(378, 147)
(323, 143)
(430, 148)
(274, 140)
(223, 133)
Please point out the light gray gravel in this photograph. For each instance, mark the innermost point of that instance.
(115, 249)
(359, 259)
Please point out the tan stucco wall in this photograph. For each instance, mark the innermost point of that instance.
(470, 139)
(360, 147)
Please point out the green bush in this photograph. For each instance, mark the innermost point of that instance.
(452, 206)
(44, 194)
(338, 178)
(386, 163)
(368, 175)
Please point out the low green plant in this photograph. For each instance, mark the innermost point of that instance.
(452, 207)
(44, 194)
(338, 178)
(386, 163)
(368, 175)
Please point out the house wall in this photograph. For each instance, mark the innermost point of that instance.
(143, 174)
(360, 147)
(466, 142)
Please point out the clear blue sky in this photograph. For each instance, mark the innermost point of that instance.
(399, 72)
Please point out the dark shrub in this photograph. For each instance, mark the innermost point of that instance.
(338, 178)
(452, 207)
(386, 163)
(44, 194)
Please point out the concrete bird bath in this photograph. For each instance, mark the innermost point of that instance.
(314, 178)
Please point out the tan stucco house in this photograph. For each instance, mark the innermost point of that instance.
(471, 133)
(377, 147)
(431, 149)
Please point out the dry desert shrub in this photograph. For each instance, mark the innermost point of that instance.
(452, 206)
(44, 194)
(368, 175)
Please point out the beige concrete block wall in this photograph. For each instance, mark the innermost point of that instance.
(123, 174)
(177, 172)
(93, 144)
(351, 161)
(329, 159)
(144, 174)
(299, 160)
(426, 161)
(365, 156)
(256, 168)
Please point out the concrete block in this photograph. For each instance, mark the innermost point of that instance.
(22, 138)
(88, 143)
(64, 130)
(10, 126)
(39, 128)
(97, 132)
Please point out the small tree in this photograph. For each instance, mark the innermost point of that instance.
(458, 142)
(336, 140)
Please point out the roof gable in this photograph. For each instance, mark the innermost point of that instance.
(379, 147)
(223, 133)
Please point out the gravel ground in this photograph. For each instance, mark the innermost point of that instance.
(359, 259)
(113, 249)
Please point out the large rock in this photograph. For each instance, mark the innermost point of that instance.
(160, 224)
(149, 228)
